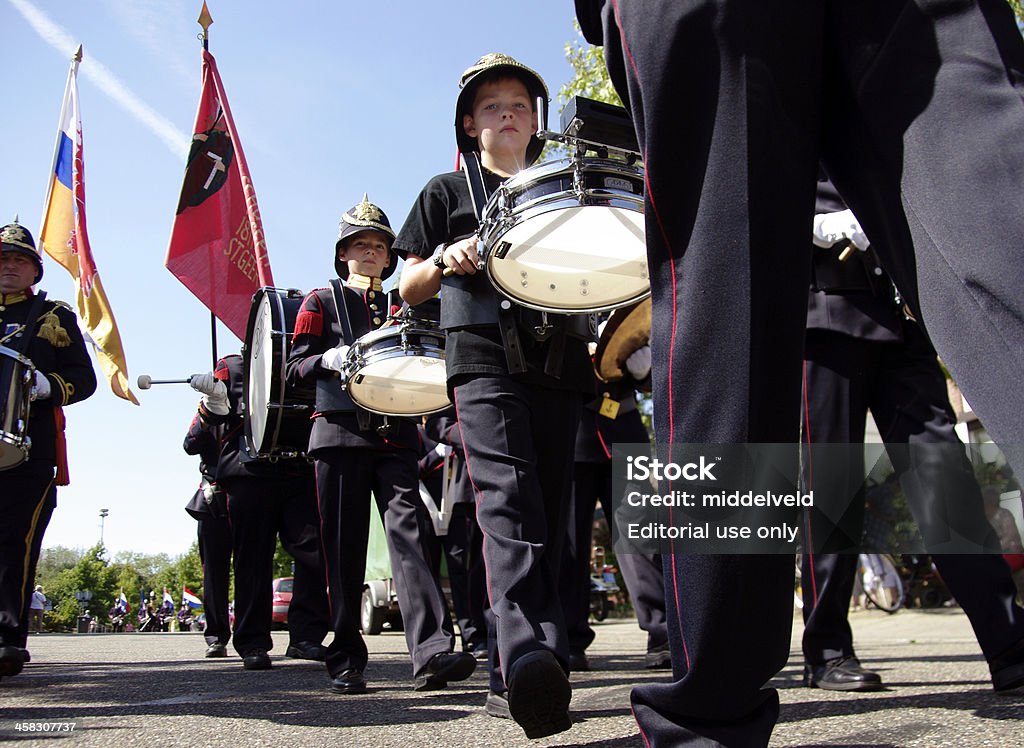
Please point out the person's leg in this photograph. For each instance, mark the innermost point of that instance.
(915, 420)
(428, 626)
(731, 163)
(27, 503)
(299, 530)
(253, 518)
(215, 553)
(343, 481)
(574, 579)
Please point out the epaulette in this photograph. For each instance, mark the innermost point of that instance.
(51, 329)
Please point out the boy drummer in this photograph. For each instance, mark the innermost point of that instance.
(517, 382)
(357, 453)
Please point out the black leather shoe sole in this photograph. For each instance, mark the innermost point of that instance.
(871, 682)
(457, 666)
(348, 685)
(256, 662)
(11, 661)
(318, 654)
(221, 651)
(497, 706)
(1008, 668)
(539, 695)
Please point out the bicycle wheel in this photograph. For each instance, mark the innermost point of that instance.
(882, 584)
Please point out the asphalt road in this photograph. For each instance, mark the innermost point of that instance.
(156, 689)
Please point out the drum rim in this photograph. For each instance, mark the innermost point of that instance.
(20, 358)
(559, 165)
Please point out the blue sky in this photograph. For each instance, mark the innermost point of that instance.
(331, 99)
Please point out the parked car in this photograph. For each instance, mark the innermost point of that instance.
(280, 601)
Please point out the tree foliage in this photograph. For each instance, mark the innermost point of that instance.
(590, 76)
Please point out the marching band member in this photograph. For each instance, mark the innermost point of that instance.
(357, 454)
(46, 332)
(517, 382)
(611, 417)
(264, 500)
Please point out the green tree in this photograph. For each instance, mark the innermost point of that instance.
(91, 574)
(590, 76)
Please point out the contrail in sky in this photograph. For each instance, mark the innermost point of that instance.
(175, 140)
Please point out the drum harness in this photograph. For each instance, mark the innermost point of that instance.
(509, 314)
(364, 418)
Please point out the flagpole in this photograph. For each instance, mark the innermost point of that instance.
(72, 71)
(205, 20)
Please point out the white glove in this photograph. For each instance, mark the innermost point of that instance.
(41, 388)
(215, 394)
(830, 228)
(639, 363)
(334, 358)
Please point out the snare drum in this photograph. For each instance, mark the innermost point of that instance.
(277, 417)
(399, 370)
(568, 236)
(17, 375)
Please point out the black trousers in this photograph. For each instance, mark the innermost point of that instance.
(519, 442)
(904, 388)
(259, 510)
(735, 103)
(642, 572)
(215, 553)
(27, 502)
(345, 480)
(462, 551)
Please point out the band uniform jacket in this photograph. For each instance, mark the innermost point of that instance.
(57, 349)
(853, 296)
(337, 421)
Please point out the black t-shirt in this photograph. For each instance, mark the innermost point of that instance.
(443, 213)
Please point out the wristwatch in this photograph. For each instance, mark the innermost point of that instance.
(438, 258)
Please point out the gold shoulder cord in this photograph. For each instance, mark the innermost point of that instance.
(52, 331)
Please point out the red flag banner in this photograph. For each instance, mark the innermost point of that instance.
(217, 247)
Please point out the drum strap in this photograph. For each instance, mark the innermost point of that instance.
(506, 315)
(21, 344)
(341, 311)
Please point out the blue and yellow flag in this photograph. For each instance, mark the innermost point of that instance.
(65, 239)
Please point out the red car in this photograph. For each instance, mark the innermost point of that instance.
(280, 601)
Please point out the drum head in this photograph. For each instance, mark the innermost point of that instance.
(628, 329)
(259, 363)
(572, 259)
(397, 382)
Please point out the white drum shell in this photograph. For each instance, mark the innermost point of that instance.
(568, 237)
(17, 375)
(398, 371)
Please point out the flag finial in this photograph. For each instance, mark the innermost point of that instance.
(205, 20)
(77, 57)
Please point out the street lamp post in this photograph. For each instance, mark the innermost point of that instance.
(103, 515)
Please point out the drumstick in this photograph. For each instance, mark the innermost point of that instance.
(449, 272)
(145, 381)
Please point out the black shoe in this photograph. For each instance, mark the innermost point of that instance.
(256, 659)
(443, 668)
(217, 649)
(841, 674)
(349, 681)
(26, 656)
(658, 658)
(477, 649)
(497, 705)
(1007, 668)
(306, 651)
(578, 663)
(11, 660)
(539, 694)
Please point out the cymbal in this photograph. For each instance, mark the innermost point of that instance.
(628, 329)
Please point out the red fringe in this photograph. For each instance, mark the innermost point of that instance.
(308, 323)
(63, 478)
